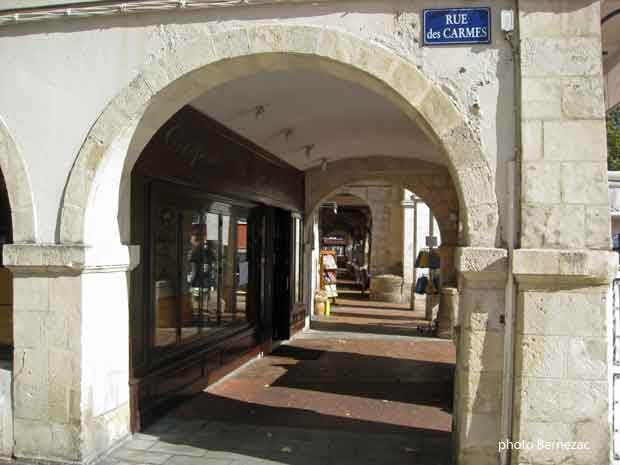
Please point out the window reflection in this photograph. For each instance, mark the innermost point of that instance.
(242, 271)
(165, 272)
(228, 270)
(193, 233)
(210, 261)
(201, 273)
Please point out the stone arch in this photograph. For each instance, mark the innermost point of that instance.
(350, 191)
(431, 182)
(18, 188)
(201, 63)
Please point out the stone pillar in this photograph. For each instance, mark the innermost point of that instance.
(482, 275)
(562, 268)
(6, 409)
(448, 311)
(71, 357)
(561, 386)
(408, 206)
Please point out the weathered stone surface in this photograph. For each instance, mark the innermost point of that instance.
(6, 409)
(411, 84)
(481, 309)
(532, 140)
(541, 356)
(583, 98)
(542, 98)
(480, 431)
(18, 188)
(34, 437)
(555, 21)
(481, 391)
(231, 43)
(478, 260)
(575, 140)
(480, 229)
(439, 113)
(583, 183)
(540, 182)
(553, 226)
(561, 400)
(533, 432)
(572, 56)
(564, 267)
(562, 313)
(598, 227)
(587, 358)
(482, 351)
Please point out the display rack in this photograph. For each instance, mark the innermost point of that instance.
(429, 258)
(328, 273)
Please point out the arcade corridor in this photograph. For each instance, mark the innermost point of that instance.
(343, 394)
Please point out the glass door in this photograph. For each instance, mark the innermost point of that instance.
(210, 304)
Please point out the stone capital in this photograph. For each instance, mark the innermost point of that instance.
(488, 266)
(70, 259)
(566, 268)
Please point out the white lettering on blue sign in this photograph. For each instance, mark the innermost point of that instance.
(457, 26)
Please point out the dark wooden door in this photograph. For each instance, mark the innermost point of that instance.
(282, 275)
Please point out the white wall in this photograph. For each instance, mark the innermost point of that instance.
(58, 76)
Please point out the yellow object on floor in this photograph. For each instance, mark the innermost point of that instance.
(328, 307)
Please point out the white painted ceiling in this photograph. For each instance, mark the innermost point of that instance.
(339, 118)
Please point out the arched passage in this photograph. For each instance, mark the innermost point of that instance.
(113, 144)
(431, 182)
(95, 207)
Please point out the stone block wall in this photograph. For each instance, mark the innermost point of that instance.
(70, 383)
(6, 409)
(478, 395)
(563, 269)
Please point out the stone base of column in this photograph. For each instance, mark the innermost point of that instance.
(6, 409)
(71, 350)
(448, 309)
(561, 385)
(482, 275)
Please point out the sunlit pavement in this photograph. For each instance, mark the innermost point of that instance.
(325, 398)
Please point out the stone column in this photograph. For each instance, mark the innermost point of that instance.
(71, 358)
(561, 386)
(482, 277)
(563, 267)
(408, 206)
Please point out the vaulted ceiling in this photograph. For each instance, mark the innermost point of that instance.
(305, 117)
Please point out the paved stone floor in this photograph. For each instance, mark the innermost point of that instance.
(329, 397)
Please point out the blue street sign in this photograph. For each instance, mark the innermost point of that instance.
(457, 26)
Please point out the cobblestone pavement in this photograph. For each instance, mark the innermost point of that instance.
(325, 398)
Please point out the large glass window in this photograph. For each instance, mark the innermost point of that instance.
(210, 267)
(200, 273)
(243, 269)
(165, 271)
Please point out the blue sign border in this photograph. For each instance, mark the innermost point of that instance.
(465, 42)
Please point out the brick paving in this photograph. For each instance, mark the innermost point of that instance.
(368, 392)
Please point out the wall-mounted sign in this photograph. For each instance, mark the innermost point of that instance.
(457, 26)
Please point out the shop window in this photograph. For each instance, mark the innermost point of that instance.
(242, 268)
(165, 276)
(200, 273)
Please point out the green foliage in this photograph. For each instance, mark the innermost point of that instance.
(613, 140)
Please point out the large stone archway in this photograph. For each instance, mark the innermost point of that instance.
(91, 296)
(18, 188)
(207, 61)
